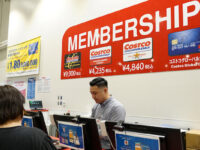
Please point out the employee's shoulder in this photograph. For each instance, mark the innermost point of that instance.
(31, 131)
(116, 102)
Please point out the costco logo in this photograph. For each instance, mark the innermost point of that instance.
(100, 56)
(100, 52)
(138, 50)
(138, 45)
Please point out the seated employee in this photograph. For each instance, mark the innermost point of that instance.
(106, 107)
(13, 136)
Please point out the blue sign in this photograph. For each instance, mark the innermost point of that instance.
(135, 142)
(31, 88)
(33, 48)
(27, 121)
(184, 42)
(71, 135)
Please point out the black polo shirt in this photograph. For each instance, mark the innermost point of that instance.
(24, 138)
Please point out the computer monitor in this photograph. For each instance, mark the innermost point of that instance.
(35, 105)
(73, 126)
(170, 138)
(34, 118)
(27, 121)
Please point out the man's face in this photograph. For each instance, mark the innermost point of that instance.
(98, 93)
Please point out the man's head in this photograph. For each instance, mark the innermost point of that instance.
(11, 104)
(99, 90)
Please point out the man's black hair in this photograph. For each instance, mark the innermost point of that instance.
(11, 104)
(99, 82)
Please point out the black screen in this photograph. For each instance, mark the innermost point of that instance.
(90, 131)
(172, 141)
(35, 104)
(38, 120)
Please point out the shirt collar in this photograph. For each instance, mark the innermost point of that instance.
(106, 101)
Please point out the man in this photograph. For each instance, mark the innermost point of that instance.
(13, 135)
(106, 107)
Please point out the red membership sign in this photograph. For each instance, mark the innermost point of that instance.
(152, 36)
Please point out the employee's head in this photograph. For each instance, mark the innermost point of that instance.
(99, 90)
(11, 104)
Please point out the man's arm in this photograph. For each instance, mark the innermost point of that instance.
(47, 144)
(94, 108)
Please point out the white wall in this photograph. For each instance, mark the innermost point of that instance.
(4, 17)
(3, 53)
(153, 98)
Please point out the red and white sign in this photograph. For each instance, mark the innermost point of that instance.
(100, 56)
(137, 50)
(139, 38)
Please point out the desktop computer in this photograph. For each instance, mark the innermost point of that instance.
(143, 137)
(34, 119)
(36, 105)
(27, 121)
(78, 132)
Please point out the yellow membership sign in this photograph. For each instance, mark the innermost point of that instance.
(24, 58)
